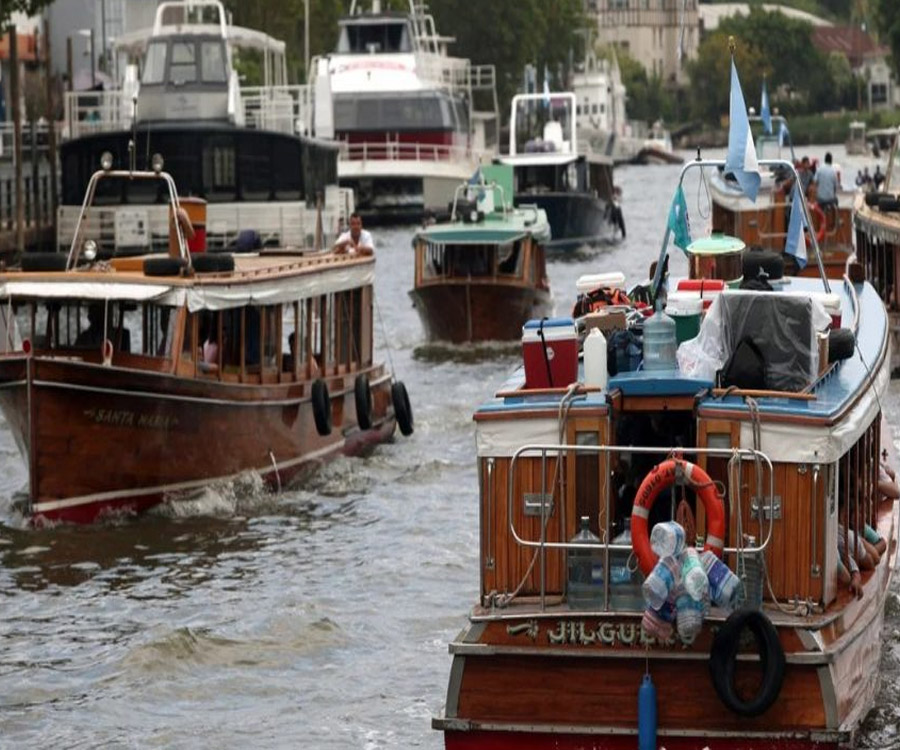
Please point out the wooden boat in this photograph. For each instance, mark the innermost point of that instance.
(143, 379)
(575, 189)
(876, 222)
(764, 223)
(481, 275)
(780, 472)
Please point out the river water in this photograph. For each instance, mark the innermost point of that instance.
(318, 618)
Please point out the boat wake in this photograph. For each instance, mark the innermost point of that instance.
(247, 494)
(471, 353)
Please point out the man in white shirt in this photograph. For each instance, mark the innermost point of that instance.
(356, 240)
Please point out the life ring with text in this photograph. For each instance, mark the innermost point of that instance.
(723, 659)
(321, 404)
(817, 217)
(662, 476)
(363, 396)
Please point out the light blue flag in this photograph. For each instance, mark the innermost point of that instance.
(741, 159)
(796, 241)
(784, 135)
(678, 220)
(477, 180)
(764, 110)
(546, 90)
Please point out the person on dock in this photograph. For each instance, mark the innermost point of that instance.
(827, 184)
(356, 240)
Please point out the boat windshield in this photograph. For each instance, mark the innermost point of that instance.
(185, 61)
(358, 38)
(401, 112)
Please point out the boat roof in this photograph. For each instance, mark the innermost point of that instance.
(135, 42)
(257, 279)
(497, 228)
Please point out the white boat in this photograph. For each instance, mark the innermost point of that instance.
(245, 150)
(412, 120)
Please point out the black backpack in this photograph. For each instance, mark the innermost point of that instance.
(745, 368)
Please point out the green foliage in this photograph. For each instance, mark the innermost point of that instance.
(888, 21)
(29, 7)
(648, 98)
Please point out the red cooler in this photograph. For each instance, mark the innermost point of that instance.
(550, 352)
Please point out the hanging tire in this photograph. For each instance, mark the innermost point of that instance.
(723, 658)
(163, 266)
(402, 408)
(321, 404)
(363, 394)
(213, 262)
(44, 261)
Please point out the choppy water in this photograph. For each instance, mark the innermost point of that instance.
(315, 619)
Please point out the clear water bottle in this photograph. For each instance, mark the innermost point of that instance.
(724, 585)
(660, 341)
(667, 539)
(696, 584)
(625, 582)
(661, 582)
(585, 570)
(688, 618)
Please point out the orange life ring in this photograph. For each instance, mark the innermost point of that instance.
(816, 212)
(664, 475)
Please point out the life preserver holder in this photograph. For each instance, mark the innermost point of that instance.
(817, 216)
(662, 476)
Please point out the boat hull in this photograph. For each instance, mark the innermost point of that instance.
(576, 219)
(153, 437)
(460, 311)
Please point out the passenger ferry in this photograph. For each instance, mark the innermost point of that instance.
(876, 223)
(764, 223)
(142, 379)
(574, 188)
(769, 467)
(413, 122)
(244, 150)
(488, 257)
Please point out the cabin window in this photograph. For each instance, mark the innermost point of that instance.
(155, 63)
(330, 332)
(510, 259)
(219, 168)
(158, 331)
(350, 327)
(374, 38)
(212, 62)
(190, 343)
(183, 68)
(271, 336)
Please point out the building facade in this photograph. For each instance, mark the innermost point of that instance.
(660, 34)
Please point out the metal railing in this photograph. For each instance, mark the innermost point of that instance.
(285, 109)
(764, 508)
(399, 151)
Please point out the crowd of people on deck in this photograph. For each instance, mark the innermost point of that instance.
(870, 181)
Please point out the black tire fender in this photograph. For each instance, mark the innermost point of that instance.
(163, 266)
(872, 197)
(44, 261)
(213, 262)
(321, 405)
(402, 408)
(363, 394)
(723, 657)
(841, 344)
(888, 204)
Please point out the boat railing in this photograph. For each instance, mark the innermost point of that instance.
(763, 508)
(401, 151)
(89, 112)
(465, 190)
(284, 109)
(278, 223)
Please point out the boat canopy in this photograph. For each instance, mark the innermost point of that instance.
(134, 43)
(477, 237)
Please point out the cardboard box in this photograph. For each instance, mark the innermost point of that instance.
(550, 352)
(611, 319)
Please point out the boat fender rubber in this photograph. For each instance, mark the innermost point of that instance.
(402, 408)
(723, 658)
(647, 714)
(163, 266)
(888, 204)
(213, 262)
(321, 404)
(874, 197)
(660, 477)
(756, 258)
(363, 394)
(841, 344)
(44, 261)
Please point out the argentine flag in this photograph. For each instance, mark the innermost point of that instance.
(796, 241)
(741, 158)
(764, 111)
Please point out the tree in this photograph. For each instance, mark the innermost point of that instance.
(29, 7)
(888, 21)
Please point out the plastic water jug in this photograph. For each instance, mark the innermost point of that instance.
(660, 341)
(724, 585)
(661, 581)
(667, 539)
(688, 618)
(585, 570)
(625, 582)
(596, 374)
(694, 575)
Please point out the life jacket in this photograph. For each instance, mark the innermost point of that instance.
(598, 299)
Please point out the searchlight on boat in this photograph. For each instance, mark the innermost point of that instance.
(106, 161)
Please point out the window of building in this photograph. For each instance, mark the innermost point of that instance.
(879, 93)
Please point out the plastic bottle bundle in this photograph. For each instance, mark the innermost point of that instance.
(662, 579)
(667, 539)
(689, 617)
(657, 623)
(724, 586)
(696, 584)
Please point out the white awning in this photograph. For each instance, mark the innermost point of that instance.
(92, 290)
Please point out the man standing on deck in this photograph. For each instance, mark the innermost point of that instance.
(826, 180)
(356, 240)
